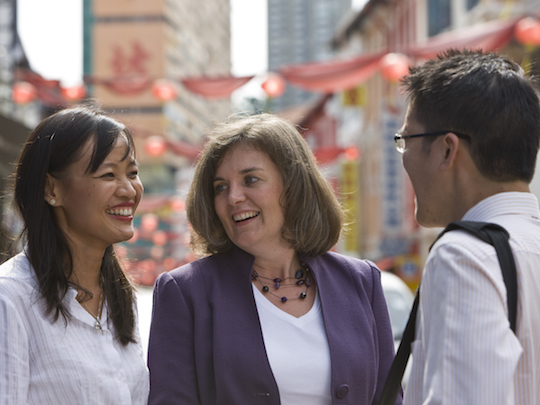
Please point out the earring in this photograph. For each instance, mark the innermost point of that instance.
(52, 201)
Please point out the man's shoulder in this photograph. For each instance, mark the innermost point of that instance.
(456, 245)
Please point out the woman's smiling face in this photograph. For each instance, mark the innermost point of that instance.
(247, 198)
(96, 209)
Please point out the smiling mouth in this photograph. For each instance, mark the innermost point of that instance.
(245, 216)
(121, 212)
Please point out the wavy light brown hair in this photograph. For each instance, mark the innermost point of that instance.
(313, 215)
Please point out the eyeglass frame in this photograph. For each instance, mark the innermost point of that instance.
(399, 139)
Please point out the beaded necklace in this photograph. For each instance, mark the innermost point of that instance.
(302, 277)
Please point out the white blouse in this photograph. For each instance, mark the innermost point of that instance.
(49, 363)
(298, 352)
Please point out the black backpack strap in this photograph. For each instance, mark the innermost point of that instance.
(490, 233)
(498, 237)
(395, 375)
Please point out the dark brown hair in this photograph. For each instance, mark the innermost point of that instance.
(313, 215)
(487, 97)
(56, 143)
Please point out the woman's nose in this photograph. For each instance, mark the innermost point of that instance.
(236, 194)
(127, 188)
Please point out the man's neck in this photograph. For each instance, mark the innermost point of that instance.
(479, 192)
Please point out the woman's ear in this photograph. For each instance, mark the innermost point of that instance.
(51, 190)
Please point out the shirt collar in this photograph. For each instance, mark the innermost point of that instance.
(508, 203)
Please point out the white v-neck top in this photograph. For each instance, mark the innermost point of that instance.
(298, 352)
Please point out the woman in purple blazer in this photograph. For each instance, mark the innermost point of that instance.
(269, 316)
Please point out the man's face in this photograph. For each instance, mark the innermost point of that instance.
(420, 164)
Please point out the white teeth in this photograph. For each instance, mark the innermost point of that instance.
(123, 212)
(245, 215)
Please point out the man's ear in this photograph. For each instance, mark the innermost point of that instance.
(450, 150)
(51, 190)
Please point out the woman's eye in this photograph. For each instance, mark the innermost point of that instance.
(220, 187)
(108, 175)
(251, 179)
(134, 173)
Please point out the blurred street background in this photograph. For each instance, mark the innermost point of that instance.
(171, 69)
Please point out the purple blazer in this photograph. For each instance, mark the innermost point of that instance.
(206, 346)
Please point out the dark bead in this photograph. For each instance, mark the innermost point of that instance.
(283, 299)
(300, 282)
(308, 281)
(303, 295)
(277, 280)
(265, 289)
(299, 274)
(276, 286)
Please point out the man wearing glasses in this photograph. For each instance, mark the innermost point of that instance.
(469, 145)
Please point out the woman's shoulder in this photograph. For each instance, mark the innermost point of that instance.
(235, 260)
(362, 273)
(17, 268)
(17, 277)
(353, 264)
(197, 271)
(190, 270)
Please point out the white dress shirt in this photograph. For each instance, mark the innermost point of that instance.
(45, 363)
(465, 352)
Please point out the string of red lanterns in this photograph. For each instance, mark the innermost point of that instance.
(393, 66)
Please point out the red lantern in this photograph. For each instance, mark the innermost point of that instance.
(274, 85)
(159, 238)
(155, 145)
(149, 222)
(178, 204)
(527, 31)
(164, 90)
(352, 153)
(394, 66)
(74, 93)
(23, 93)
(157, 252)
(169, 263)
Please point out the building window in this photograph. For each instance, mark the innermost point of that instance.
(471, 4)
(438, 16)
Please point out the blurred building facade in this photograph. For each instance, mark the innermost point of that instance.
(301, 31)
(127, 47)
(13, 58)
(130, 47)
(15, 120)
(389, 233)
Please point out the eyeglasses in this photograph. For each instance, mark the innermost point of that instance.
(400, 139)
